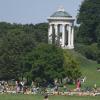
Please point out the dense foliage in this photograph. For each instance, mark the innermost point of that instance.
(88, 33)
(47, 63)
(24, 53)
(16, 41)
(89, 19)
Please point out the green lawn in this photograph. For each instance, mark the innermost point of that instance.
(88, 69)
(38, 97)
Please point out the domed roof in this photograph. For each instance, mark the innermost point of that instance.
(61, 13)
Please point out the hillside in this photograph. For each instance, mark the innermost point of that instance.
(88, 69)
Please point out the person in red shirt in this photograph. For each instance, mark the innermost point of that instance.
(78, 85)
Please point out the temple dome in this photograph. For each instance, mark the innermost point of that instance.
(61, 13)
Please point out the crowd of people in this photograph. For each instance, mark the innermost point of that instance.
(14, 87)
(21, 87)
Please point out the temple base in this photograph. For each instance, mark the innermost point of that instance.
(68, 47)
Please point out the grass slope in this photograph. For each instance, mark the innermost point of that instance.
(88, 69)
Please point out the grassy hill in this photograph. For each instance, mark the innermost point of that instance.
(88, 69)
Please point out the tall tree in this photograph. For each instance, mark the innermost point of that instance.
(89, 19)
(98, 38)
(47, 63)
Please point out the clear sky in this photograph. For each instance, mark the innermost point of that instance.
(34, 11)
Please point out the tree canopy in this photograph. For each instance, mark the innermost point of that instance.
(89, 19)
(24, 53)
(50, 62)
(88, 32)
(16, 41)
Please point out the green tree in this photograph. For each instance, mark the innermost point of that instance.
(98, 38)
(71, 67)
(47, 63)
(50, 62)
(89, 19)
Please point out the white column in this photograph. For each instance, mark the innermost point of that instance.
(69, 36)
(63, 35)
(56, 30)
(59, 32)
(72, 37)
(50, 34)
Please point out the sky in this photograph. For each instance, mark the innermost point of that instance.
(34, 11)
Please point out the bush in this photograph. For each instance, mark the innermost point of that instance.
(89, 51)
